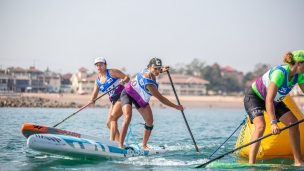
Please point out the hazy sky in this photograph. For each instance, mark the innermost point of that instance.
(66, 35)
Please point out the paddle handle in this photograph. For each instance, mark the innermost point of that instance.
(197, 149)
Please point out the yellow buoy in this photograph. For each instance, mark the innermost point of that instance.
(275, 145)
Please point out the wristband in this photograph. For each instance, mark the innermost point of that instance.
(273, 122)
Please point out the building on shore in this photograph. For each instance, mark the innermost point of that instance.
(29, 80)
(83, 83)
(66, 83)
(185, 85)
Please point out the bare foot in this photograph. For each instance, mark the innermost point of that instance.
(145, 148)
(119, 146)
(299, 163)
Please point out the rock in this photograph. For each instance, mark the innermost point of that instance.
(35, 102)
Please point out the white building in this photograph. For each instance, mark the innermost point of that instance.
(185, 85)
(82, 83)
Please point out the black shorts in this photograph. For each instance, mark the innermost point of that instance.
(125, 98)
(255, 106)
(115, 99)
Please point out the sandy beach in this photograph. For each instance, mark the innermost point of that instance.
(224, 102)
(216, 102)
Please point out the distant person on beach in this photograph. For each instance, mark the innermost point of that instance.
(138, 91)
(267, 93)
(107, 80)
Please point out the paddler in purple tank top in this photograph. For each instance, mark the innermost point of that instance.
(267, 93)
(138, 92)
(107, 80)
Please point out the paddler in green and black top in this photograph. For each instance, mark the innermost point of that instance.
(267, 93)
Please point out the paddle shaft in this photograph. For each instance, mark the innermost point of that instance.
(86, 105)
(182, 112)
(243, 122)
(259, 139)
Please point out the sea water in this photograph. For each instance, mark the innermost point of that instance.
(209, 127)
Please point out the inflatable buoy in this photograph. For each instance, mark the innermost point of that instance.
(276, 145)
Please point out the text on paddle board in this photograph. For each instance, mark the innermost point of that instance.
(68, 133)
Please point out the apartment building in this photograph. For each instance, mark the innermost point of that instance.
(29, 80)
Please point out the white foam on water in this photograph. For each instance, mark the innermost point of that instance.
(159, 161)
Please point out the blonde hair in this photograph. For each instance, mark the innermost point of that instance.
(288, 59)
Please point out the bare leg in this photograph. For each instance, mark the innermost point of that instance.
(259, 124)
(127, 112)
(114, 131)
(294, 136)
(108, 123)
(115, 115)
(148, 117)
(146, 136)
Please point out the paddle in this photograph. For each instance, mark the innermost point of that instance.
(243, 122)
(182, 111)
(259, 139)
(86, 105)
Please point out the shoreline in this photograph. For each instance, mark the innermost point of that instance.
(190, 102)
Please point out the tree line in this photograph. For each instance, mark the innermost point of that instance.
(220, 83)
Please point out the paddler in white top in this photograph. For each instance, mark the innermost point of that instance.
(107, 80)
(138, 91)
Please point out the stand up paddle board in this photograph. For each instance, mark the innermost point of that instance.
(29, 129)
(220, 165)
(70, 146)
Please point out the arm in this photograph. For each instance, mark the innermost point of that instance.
(118, 74)
(95, 93)
(152, 89)
(271, 93)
